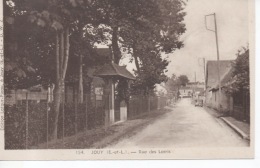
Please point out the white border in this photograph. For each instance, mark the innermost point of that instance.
(205, 163)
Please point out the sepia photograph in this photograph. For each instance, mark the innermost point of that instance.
(127, 79)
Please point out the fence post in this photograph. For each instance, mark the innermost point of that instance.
(76, 116)
(27, 120)
(47, 120)
(63, 120)
(86, 112)
(106, 111)
(149, 103)
(95, 112)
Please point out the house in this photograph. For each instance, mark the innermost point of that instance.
(185, 91)
(196, 85)
(198, 90)
(237, 104)
(198, 93)
(212, 95)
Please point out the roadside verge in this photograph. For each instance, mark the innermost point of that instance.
(101, 137)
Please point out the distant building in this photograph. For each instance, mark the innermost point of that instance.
(185, 91)
(236, 105)
(35, 93)
(196, 85)
(211, 98)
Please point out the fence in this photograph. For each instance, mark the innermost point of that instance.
(140, 104)
(31, 122)
(241, 106)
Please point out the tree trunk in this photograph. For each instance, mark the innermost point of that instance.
(62, 54)
(80, 83)
(80, 91)
(115, 47)
(57, 91)
(135, 57)
(67, 46)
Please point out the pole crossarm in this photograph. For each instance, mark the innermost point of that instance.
(206, 22)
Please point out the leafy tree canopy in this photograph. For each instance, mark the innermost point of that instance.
(240, 78)
(183, 79)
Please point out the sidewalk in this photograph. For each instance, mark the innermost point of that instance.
(240, 127)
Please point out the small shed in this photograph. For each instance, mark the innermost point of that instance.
(111, 72)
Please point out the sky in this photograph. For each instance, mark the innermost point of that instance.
(232, 25)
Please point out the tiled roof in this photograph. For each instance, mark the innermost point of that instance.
(112, 70)
(185, 87)
(212, 72)
(224, 79)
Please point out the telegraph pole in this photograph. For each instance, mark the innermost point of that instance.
(216, 34)
(204, 68)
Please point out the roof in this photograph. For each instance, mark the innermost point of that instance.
(196, 89)
(212, 72)
(225, 79)
(184, 87)
(112, 69)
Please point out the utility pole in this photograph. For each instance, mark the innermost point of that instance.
(218, 67)
(195, 77)
(204, 68)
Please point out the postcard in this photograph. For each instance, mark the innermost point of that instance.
(132, 80)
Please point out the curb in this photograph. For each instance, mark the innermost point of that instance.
(236, 129)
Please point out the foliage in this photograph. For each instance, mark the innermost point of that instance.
(146, 33)
(172, 84)
(151, 73)
(240, 73)
(15, 119)
(183, 79)
(47, 36)
(149, 25)
(60, 20)
(28, 48)
(30, 36)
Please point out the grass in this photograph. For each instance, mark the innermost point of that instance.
(101, 137)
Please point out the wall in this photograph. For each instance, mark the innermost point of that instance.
(225, 104)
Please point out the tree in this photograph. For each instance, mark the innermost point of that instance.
(240, 79)
(58, 19)
(172, 84)
(148, 29)
(152, 72)
(28, 49)
(156, 31)
(183, 80)
(64, 30)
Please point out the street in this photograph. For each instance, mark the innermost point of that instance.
(184, 126)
